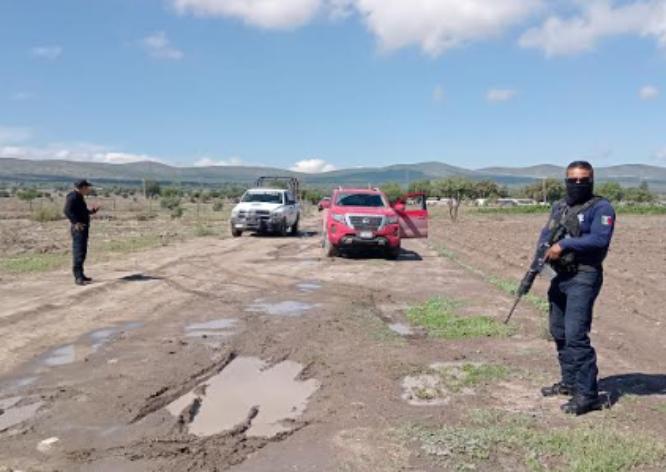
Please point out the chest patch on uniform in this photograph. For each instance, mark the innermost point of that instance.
(607, 220)
(581, 218)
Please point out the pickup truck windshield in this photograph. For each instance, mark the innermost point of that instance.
(360, 200)
(263, 197)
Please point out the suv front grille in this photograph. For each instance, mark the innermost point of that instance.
(366, 223)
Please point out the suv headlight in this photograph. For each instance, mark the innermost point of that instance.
(392, 220)
(339, 218)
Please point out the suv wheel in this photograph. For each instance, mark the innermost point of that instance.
(393, 253)
(236, 233)
(329, 249)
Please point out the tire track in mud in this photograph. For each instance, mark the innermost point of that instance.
(169, 393)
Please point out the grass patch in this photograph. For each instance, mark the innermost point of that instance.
(640, 209)
(491, 436)
(468, 375)
(511, 287)
(202, 231)
(438, 317)
(138, 243)
(517, 210)
(660, 408)
(47, 213)
(33, 263)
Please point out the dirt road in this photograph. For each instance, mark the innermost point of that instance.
(258, 354)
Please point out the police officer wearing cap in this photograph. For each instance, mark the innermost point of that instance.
(577, 260)
(78, 214)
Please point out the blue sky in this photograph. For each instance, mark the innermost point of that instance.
(321, 84)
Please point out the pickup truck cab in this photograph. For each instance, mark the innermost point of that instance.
(365, 218)
(266, 210)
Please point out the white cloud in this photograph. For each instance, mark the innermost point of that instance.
(500, 95)
(312, 166)
(12, 134)
(438, 94)
(432, 25)
(648, 92)
(50, 53)
(597, 20)
(660, 155)
(269, 14)
(436, 26)
(84, 152)
(208, 162)
(21, 96)
(160, 47)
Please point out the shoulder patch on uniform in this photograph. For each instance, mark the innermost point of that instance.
(607, 220)
(581, 218)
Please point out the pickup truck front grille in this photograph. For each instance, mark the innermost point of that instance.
(366, 223)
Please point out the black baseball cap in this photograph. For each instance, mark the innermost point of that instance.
(82, 183)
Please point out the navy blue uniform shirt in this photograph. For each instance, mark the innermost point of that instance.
(76, 209)
(596, 231)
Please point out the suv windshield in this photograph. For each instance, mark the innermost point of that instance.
(360, 200)
(263, 197)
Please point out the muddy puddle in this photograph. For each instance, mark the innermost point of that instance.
(402, 329)
(245, 387)
(221, 327)
(283, 308)
(96, 339)
(308, 286)
(60, 356)
(13, 413)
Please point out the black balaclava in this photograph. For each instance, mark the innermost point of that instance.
(579, 193)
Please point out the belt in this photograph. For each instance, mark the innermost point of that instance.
(588, 268)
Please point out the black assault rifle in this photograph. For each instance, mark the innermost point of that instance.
(559, 230)
(528, 280)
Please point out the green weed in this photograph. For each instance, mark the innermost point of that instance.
(33, 263)
(470, 375)
(586, 448)
(47, 213)
(132, 244)
(437, 315)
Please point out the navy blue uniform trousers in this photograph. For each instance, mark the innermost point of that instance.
(79, 250)
(572, 298)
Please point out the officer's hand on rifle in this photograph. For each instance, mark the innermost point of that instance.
(554, 252)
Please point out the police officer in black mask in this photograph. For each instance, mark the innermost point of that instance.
(577, 260)
(78, 214)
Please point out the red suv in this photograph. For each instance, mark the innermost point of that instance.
(366, 218)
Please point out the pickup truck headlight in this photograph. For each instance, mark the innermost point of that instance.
(392, 220)
(339, 218)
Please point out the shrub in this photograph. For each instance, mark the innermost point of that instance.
(47, 213)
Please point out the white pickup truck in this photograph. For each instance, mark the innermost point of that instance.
(267, 210)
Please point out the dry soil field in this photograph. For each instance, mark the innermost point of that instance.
(208, 353)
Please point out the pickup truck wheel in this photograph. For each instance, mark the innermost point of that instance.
(236, 233)
(283, 230)
(294, 227)
(329, 249)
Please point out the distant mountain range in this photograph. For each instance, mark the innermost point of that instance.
(63, 172)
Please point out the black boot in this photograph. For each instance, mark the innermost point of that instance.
(559, 388)
(581, 404)
(86, 279)
(79, 281)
